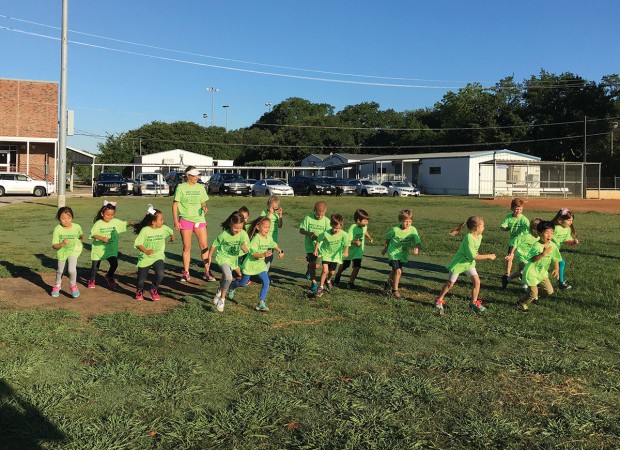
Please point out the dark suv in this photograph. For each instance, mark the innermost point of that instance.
(228, 184)
(109, 183)
(312, 186)
(173, 179)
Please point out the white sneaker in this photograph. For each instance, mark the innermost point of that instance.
(525, 288)
(220, 305)
(217, 298)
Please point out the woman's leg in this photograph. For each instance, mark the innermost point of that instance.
(201, 234)
(186, 238)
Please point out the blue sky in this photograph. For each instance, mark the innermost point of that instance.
(408, 42)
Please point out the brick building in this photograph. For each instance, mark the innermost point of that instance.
(29, 127)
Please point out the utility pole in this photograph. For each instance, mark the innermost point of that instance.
(585, 138)
(62, 139)
(213, 90)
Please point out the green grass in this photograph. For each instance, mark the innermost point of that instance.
(349, 371)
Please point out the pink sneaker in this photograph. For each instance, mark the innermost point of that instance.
(139, 295)
(185, 276)
(55, 291)
(75, 292)
(154, 294)
(111, 282)
(91, 284)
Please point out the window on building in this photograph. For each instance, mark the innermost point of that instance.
(434, 170)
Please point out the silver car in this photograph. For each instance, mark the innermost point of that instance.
(401, 189)
(271, 186)
(370, 187)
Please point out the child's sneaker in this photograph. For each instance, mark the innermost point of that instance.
(217, 297)
(262, 306)
(314, 286)
(75, 292)
(522, 307)
(505, 281)
(439, 304)
(535, 302)
(55, 291)
(319, 292)
(111, 283)
(220, 304)
(185, 276)
(231, 294)
(337, 280)
(154, 294)
(351, 286)
(208, 276)
(139, 294)
(91, 284)
(328, 286)
(525, 288)
(477, 306)
(564, 286)
(396, 293)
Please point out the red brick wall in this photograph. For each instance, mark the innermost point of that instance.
(28, 108)
(38, 152)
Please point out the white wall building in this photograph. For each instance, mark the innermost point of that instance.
(161, 161)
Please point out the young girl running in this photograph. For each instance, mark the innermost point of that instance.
(151, 242)
(104, 235)
(465, 261)
(274, 212)
(358, 232)
(332, 245)
(245, 212)
(520, 251)
(564, 233)
(254, 264)
(399, 241)
(67, 241)
(227, 247)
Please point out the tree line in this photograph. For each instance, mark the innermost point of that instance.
(546, 115)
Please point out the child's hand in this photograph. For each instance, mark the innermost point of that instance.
(204, 209)
(106, 239)
(149, 252)
(64, 242)
(492, 257)
(280, 255)
(556, 274)
(346, 253)
(171, 238)
(177, 225)
(279, 211)
(416, 250)
(508, 257)
(384, 251)
(315, 253)
(313, 236)
(268, 253)
(371, 240)
(358, 243)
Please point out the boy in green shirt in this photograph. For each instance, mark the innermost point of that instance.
(274, 212)
(311, 226)
(517, 224)
(332, 245)
(358, 232)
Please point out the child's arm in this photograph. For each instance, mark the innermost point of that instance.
(279, 211)
(204, 208)
(81, 237)
(310, 234)
(369, 237)
(316, 249)
(267, 254)
(280, 252)
(244, 247)
(384, 251)
(540, 256)
(490, 256)
(556, 270)
(416, 249)
(146, 251)
(101, 238)
(346, 252)
(60, 244)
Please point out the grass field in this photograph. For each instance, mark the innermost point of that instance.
(352, 370)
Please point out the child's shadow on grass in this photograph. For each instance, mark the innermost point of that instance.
(28, 274)
(26, 426)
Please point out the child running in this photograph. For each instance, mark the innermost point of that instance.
(67, 241)
(332, 245)
(358, 232)
(521, 249)
(151, 242)
(311, 226)
(104, 235)
(564, 233)
(274, 212)
(465, 261)
(399, 241)
(536, 272)
(227, 247)
(517, 224)
(254, 264)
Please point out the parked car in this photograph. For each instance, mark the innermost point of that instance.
(228, 184)
(369, 187)
(311, 186)
(342, 186)
(173, 179)
(401, 189)
(109, 183)
(150, 184)
(251, 181)
(19, 183)
(271, 186)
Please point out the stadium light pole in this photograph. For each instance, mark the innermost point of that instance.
(226, 108)
(62, 138)
(205, 116)
(213, 90)
(268, 105)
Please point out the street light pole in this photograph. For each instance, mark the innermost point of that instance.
(205, 116)
(268, 104)
(213, 90)
(226, 108)
(62, 138)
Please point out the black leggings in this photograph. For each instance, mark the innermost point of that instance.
(143, 273)
(113, 260)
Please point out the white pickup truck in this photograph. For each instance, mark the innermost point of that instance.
(150, 184)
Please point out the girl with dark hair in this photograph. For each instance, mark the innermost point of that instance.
(104, 235)
(151, 242)
(564, 233)
(227, 247)
(465, 262)
(67, 241)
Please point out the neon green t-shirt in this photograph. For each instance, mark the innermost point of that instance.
(561, 234)
(401, 242)
(275, 222)
(190, 199)
(523, 245)
(103, 250)
(356, 233)
(535, 272)
(314, 225)
(74, 247)
(229, 248)
(516, 226)
(152, 239)
(258, 244)
(464, 258)
(333, 245)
